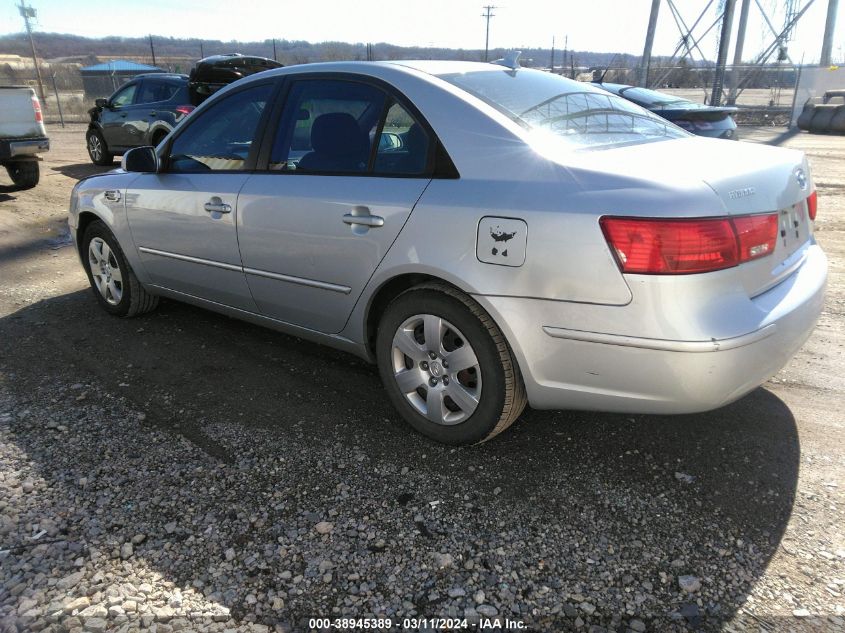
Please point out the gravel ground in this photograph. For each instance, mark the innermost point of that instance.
(185, 471)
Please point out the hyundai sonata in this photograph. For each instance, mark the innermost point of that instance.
(490, 236)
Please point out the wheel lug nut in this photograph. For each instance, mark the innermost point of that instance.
(433, 382)
(432, 355)
(445, 363)
(424, 366)
(445, 380)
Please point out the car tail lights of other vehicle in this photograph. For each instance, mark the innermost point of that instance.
(36, 109)
(185, 109)
(656, 246)
(812, 205)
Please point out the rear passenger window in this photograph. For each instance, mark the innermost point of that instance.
(220, 139)
(328, 127)
(403, 145)
(155, 91)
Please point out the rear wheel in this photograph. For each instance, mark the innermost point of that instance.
(24, 174)
(114, 284)
(98, 151)
(447, 367)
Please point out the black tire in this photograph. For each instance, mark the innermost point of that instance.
(502, 397)
(24, 173)
(134, 298)
(98, 150)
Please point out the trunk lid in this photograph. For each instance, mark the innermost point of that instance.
(747, 178)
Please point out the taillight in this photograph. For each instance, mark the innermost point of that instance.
(756, 235)
(185, 109)
(655, 246)
(812, 205)
(36, 108)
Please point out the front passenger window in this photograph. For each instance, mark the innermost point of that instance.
(221, 138)
(124, 96)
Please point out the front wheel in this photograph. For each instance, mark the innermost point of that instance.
(114, 283)
(447, 367)
(98, 151)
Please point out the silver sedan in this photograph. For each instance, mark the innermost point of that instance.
(490, 236)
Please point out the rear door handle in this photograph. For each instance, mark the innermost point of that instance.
(363, 220)
(216, 205)
(153, 113)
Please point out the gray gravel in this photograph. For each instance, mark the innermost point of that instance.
(109, 523)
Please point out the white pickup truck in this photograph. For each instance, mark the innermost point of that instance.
(22, 134)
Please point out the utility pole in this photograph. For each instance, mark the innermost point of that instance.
(740, 42)
(202, 53)
(275, 59)
(829, 28)
(565, 49)
(28, 13)
(488, 13)
(649, 42)
(152, 49)
(552, 64)
(724, 45)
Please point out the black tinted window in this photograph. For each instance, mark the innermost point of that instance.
(153, 91)
(328, 126)
(403, 145)
(220, 138)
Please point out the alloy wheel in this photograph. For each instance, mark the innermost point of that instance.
(95, 147)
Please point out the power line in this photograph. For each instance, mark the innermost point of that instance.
(488, 13)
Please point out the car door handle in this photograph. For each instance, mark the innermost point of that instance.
(216, 205)
(363, 220)
(122, 115)
(153, 113)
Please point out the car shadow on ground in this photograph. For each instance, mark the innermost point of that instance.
(78, 171)
(249, 437)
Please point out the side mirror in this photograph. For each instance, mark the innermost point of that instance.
(101, 103)
(140, 159)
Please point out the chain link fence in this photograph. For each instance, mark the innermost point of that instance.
(764, 95)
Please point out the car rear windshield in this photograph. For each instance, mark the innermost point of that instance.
(576, 113)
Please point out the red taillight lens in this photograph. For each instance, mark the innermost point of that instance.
(655, 246)
(36, 108)
(812, 205)
(756, 235)
(185, 109)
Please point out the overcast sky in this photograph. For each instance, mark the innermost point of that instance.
(596, 25)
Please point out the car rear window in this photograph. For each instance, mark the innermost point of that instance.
(576, 113)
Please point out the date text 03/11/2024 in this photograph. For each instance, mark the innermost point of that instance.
(416, 624)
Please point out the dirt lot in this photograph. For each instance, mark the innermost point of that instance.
(185, 471)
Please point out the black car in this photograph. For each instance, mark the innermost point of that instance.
(697, 118)
(142, 112)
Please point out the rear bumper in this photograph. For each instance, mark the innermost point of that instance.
(16, 148)
(569, 368)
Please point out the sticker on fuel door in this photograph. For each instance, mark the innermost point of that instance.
(501, 241)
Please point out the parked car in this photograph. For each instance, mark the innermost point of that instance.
(212, 73)
(146, 109)
(22, 135)
(529, 239)
(141, 112)
(700, 119)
